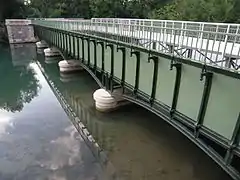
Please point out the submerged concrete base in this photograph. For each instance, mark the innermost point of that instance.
(41, 44)
(66, 66)
(106, 102)
(50, 52)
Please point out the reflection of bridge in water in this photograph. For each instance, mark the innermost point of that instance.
(104, 138)
(132, 143)
(65, 101)
(185, 72)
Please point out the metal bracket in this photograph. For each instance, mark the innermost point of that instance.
(206, 93)
(137, 54)
(111, 46)
(178, 67)
(88, 46)
(83, 54)
(100, 42)
(93, 40)
(155, 75)
(78, 53)
(95, 54)
(86, 38)
(123, 49)
(204, 72)
(120, 48)
(174, 63)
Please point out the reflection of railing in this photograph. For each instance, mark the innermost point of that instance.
(217, 44)
(94, 126)
(81, 128)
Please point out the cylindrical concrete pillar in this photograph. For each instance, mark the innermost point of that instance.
(66, 66)
(49, 52)
(41, 44)
(105, 102)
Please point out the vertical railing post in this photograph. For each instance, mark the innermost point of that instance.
(225, 43)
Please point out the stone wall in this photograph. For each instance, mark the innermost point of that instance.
(20, 31)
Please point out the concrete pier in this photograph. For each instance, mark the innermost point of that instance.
(52, 51)
(66, 66)
(105, 101)
(41, 44)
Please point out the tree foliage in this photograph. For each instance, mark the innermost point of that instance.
(96, 8)
(200, 10)
(194, 10)
(10, 8)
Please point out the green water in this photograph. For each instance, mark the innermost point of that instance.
(38, 141)
(139, 144)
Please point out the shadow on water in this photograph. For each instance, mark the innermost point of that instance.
(139, 144)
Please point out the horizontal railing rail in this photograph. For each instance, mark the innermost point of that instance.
(216, 44)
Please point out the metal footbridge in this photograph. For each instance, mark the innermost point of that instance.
(185, 72)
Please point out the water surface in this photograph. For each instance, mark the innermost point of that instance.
(140, 145)
(37, 140)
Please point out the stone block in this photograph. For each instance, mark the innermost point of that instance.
(20, 31)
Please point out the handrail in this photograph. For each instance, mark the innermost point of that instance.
(216, 44)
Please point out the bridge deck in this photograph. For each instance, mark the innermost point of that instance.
(210, 43)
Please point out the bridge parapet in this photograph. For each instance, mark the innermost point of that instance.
(215, 44)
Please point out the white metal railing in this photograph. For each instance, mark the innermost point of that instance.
(217, 44)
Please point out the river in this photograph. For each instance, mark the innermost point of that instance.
(38, 140)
